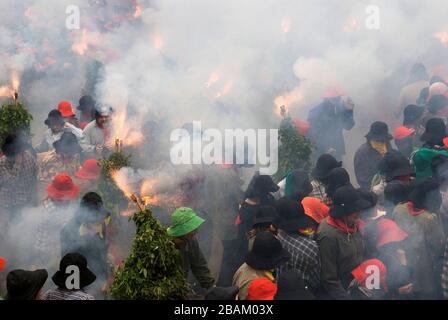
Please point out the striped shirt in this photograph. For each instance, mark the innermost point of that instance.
(64, 294)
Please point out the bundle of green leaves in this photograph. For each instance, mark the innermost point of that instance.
(14, 119)
(294, 152)
(153, 271)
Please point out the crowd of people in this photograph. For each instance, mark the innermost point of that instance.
(312, 236)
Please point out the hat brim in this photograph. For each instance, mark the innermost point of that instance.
(430, 137)
(63, 195)
(87, 277)
(399, 173)
(38, 277)
(85, 175)
(337, 211)
(379, 137)
(49, 121)
(261, 263)
(293, 225)
(263, 220)
(186, 228)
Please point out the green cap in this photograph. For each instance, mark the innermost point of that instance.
(183, 221)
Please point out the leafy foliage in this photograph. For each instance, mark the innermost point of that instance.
(112, 196)
(294, 150)
(14, 119)
(153, 271)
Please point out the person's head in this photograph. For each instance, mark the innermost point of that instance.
(90, 170)
(412, 114)
(292, 217)
(324, 164)
(298, 185)
(55, 121)
(261, 289)
(13, 146)
(388, 233)
(437, 88)
(417, 73)
(25, 285)
(264, 217)
(65, 108)
(261, 186)
(437, 103)
(70, 260)
(334, 93)
(396, 192)
(184, 223)
(435, 132)
(91, 206)
(86, 105)
(102, 115)
(62, 188)
(379, 132)
(267, 252)
(435, 79)
(338, 177)
(347, 205)
(395, 166)
(371, 199)
(426, 195)
(67, 145)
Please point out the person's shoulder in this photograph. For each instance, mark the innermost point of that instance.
(90, 126)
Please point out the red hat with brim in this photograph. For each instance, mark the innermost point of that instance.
(62, 188)
(89, 171)
(388, 231)
(65, 108)
(261, 289)
(315, 209)
(403, 132)
(363, 271)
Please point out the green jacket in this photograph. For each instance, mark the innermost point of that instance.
(194, 260)
(424, 247)
(422, 161)
(340, 253)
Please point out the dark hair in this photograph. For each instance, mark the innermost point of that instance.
(92, 201)
(12, 146)
(437, 103)
(426, 195)
(418, 73)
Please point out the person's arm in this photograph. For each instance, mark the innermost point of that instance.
(76, 131)
(43, 146)
(199, 265)
(329, 271)
(315, 272)
(86, 141)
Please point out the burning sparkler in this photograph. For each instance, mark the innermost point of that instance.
(11, 90)
(285, 101)
(442, 36)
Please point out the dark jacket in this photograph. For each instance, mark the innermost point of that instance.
(340, 253)
(327, 123)
(193, 259)
(366, 164)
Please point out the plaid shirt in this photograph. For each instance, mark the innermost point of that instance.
(305, 257)
(445, 272)
(63, 294)
(17, 181)
(51, 164)
(320, 193)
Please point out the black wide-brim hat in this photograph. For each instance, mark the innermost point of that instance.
(54, 117)
(265, 214)
(435, 131)
(291, 215)
(267, 252)
(87, 277)
(324, 164)
(379, 131)
(346, 201)
(24, 285)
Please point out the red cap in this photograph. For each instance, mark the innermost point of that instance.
(403, 132)
(315, 209)
(261, 289)
(445, 142)
(90, 170)
(334, 91)
(65, 108)
(302, 126)
(62, 188)
(362, 272)
(2, 263)
(388, 231)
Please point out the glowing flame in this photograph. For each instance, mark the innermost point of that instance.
(286, 24)
(227, 87)
(121, 129)
(157, 41)
(351, 25)
(287, 100)
(214, 77)
(442, 36)
(10, 90)
(121, 180)
(138, 11)
(80, 47)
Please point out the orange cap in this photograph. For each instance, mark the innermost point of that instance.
(2, 263)
(261, 289)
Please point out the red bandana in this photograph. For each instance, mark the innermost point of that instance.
(412, 211)
(341, 225)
